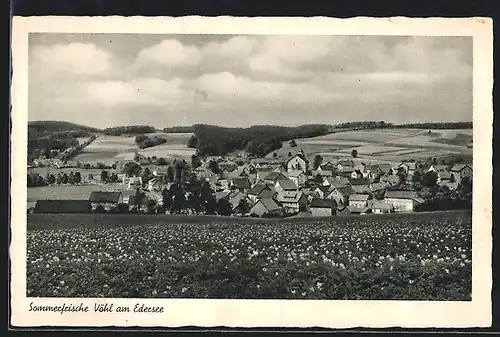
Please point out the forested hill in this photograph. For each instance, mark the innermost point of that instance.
(129, 130)
(384, 125)
(257, 140)
(38, 129)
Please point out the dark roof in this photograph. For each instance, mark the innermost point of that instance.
(142, 201)
(266, 194)
(347, 169)
(401, 194)
(258, 188)
(346, 190)
(360, 181)
(287, 184)
(323, 203)
(273, 176)
(62, 206)
(240, 183)
(359, 197)
(325, 189)
(385, 167)
(102, 196)
(269, 204)
(459, 167)
(346, 162)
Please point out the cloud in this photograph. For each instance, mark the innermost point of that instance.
(168, 53)
(76, 59)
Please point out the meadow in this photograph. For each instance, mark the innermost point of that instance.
(425, 256)
(59, 192)
(385, 145)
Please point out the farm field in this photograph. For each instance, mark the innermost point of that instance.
(105, 149)
(57, 192)
(385, 145)
(424, 256)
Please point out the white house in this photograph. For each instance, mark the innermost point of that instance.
(402, 201)
(297, 162)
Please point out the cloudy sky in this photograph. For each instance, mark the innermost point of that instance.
(106, 80)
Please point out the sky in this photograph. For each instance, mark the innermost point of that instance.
(106, 80)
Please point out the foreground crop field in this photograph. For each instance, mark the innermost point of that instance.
(416, 257)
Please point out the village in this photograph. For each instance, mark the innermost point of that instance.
(292, 186)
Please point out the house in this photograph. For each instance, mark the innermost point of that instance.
(376, 187)
(298, 177)
(341, 195)
(390, 179)
(461, 170)
(372, 171)
(254, 192)
(263, 172)
(323, 191)
(323, 173)
(443, 176)
(380, 207)
(62, 206)
(327, 167)
(222, 184)
(343, 164)
(385, 168)
(402, 201)
(285, 185)
(297, 162)
(132, 182)
(346, 171)
(358, 210)
(265, 207)
(237, 173)
(238, 198)
(361, 189)
(438, 168)
(241, 184)
(280, 169)
(105, 199)
(310, 194)
(155, 184)
(137, 201)
(273, 177)
(337, 182)
(359, 200)
(267, 194)
(408, 167)
(323, 207)
(222, 194)
(292, 201)
(357, 174)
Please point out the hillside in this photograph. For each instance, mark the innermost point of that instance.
(37, 129)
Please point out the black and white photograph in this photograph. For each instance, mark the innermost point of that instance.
(250, 167)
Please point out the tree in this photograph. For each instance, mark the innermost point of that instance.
(354, 153)
(224, 207)
(402, 175)
(195, 161)
(207, 199)
(146, 175)
(318, 179)
(100, 209)
(430, 179)
(452, 178)
(192, 142)
(151, 206)
(132, 169)
(243, 206)
(71, 179)
(78, 177)
(318, 159)
(65, 178)
(275, 155)
(104, 176)
(170, 174)
(122, 208)
(162, 161)
(178, 204)
(193, 189)
(139, 198)
(293, 143)
(214, 167)
(289, 154)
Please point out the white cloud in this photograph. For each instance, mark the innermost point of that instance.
(168, 53)
(74, 58)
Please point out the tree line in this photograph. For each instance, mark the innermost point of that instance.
(144, 141)
(129, 130)
(386, 125)
(257, 140)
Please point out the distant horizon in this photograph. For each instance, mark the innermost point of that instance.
(237, 126)
(103, 80)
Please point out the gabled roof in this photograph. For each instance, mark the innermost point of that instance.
(410, 165)
(385, 167)
(287, 184)
(222, 194)
(266, 194)
(347, 169)
(240, 183)
(378, 186)
(235, 200)
(361, 189)
(360, 181)
(269, 204)
(445, 175)
(274, 176)
(323, 203)
(345, 162)
(323, 173)
(300, 155)
(324, 189)
(359, 197)
(62, 206)
(289, 196)
(372, 168)
(439, 168)
(392, 179)
(401, 194)
(345, 190)
(459, 167)
(111, 197)
(259, 187)
(294, 173)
